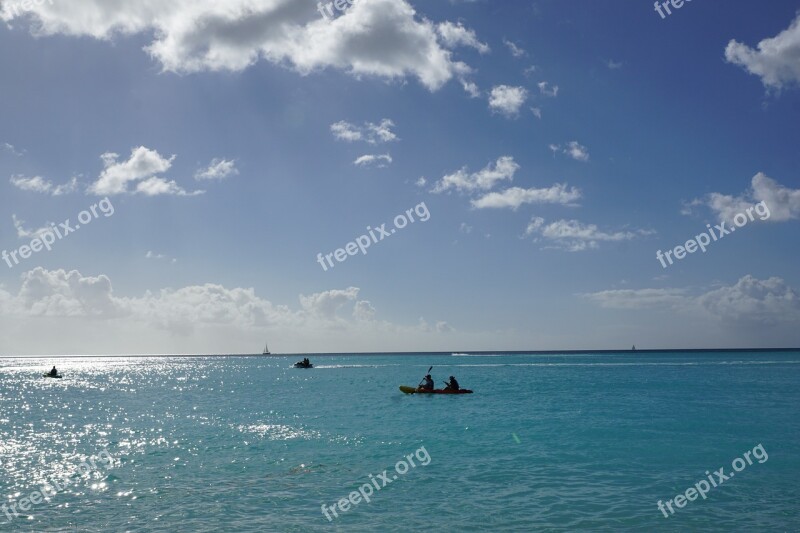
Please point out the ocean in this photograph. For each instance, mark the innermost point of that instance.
(558, 442)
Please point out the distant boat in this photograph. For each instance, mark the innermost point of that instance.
(266, 349)
(634, 348)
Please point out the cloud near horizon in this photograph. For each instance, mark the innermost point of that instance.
(748, 302)
(71, 295)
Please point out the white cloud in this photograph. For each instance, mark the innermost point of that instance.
(776, 61)
(421, 181)
(326, 304)
(363, 310)
(507, 100)
(379, 161)
(614, 65)
(369, 132)
(143, 163)
(515, 50)
(344, 131)
(439, 327)
(503, 169)
(218, 169)
(573, 149)
(141, 168)
(11, 149)
(548, 90)
(537, 112)
(471, 88)
(208, 318)
(156, 186)
(41, 185)
(750, 302)
(24, 233)
(783, 203)
(514, 197)
(574, 236)
(382, 38)
(453, 35)
(465, 228)
(638, 298)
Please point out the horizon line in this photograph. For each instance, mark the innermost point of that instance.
(434, 353)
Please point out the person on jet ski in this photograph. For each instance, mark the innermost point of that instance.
(54, 372)
(427, 383)
(452, 384)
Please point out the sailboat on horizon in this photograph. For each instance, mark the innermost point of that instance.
(266, 349)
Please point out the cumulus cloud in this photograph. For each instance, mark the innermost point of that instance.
(326, 304)
(373, 160)
(59, 293)
(67, 294)
(382, 38)
(752, 300)
(783, 203)
(453, 35)
(463, 181)
(501, 171)
(218, 169)
(776, 60)
(748, 302)
(507, 100)
(575, 236)
(140, 168)
(363, 310)
(514, 197)
(40, 185)
(369, 132)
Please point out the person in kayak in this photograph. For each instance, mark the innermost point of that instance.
(452, 384)
(427, 383)
(54, 372)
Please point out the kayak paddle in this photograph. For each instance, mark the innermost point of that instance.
(426, 373)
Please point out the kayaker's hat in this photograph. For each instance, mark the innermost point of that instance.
(427, 375)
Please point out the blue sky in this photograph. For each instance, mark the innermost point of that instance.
(557, 146)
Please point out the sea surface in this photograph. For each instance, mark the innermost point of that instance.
(579, 442)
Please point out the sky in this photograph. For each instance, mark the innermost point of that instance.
(200, 177)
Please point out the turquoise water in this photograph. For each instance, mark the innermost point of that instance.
(551, 443)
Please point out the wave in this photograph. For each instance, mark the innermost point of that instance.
(482, 355)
